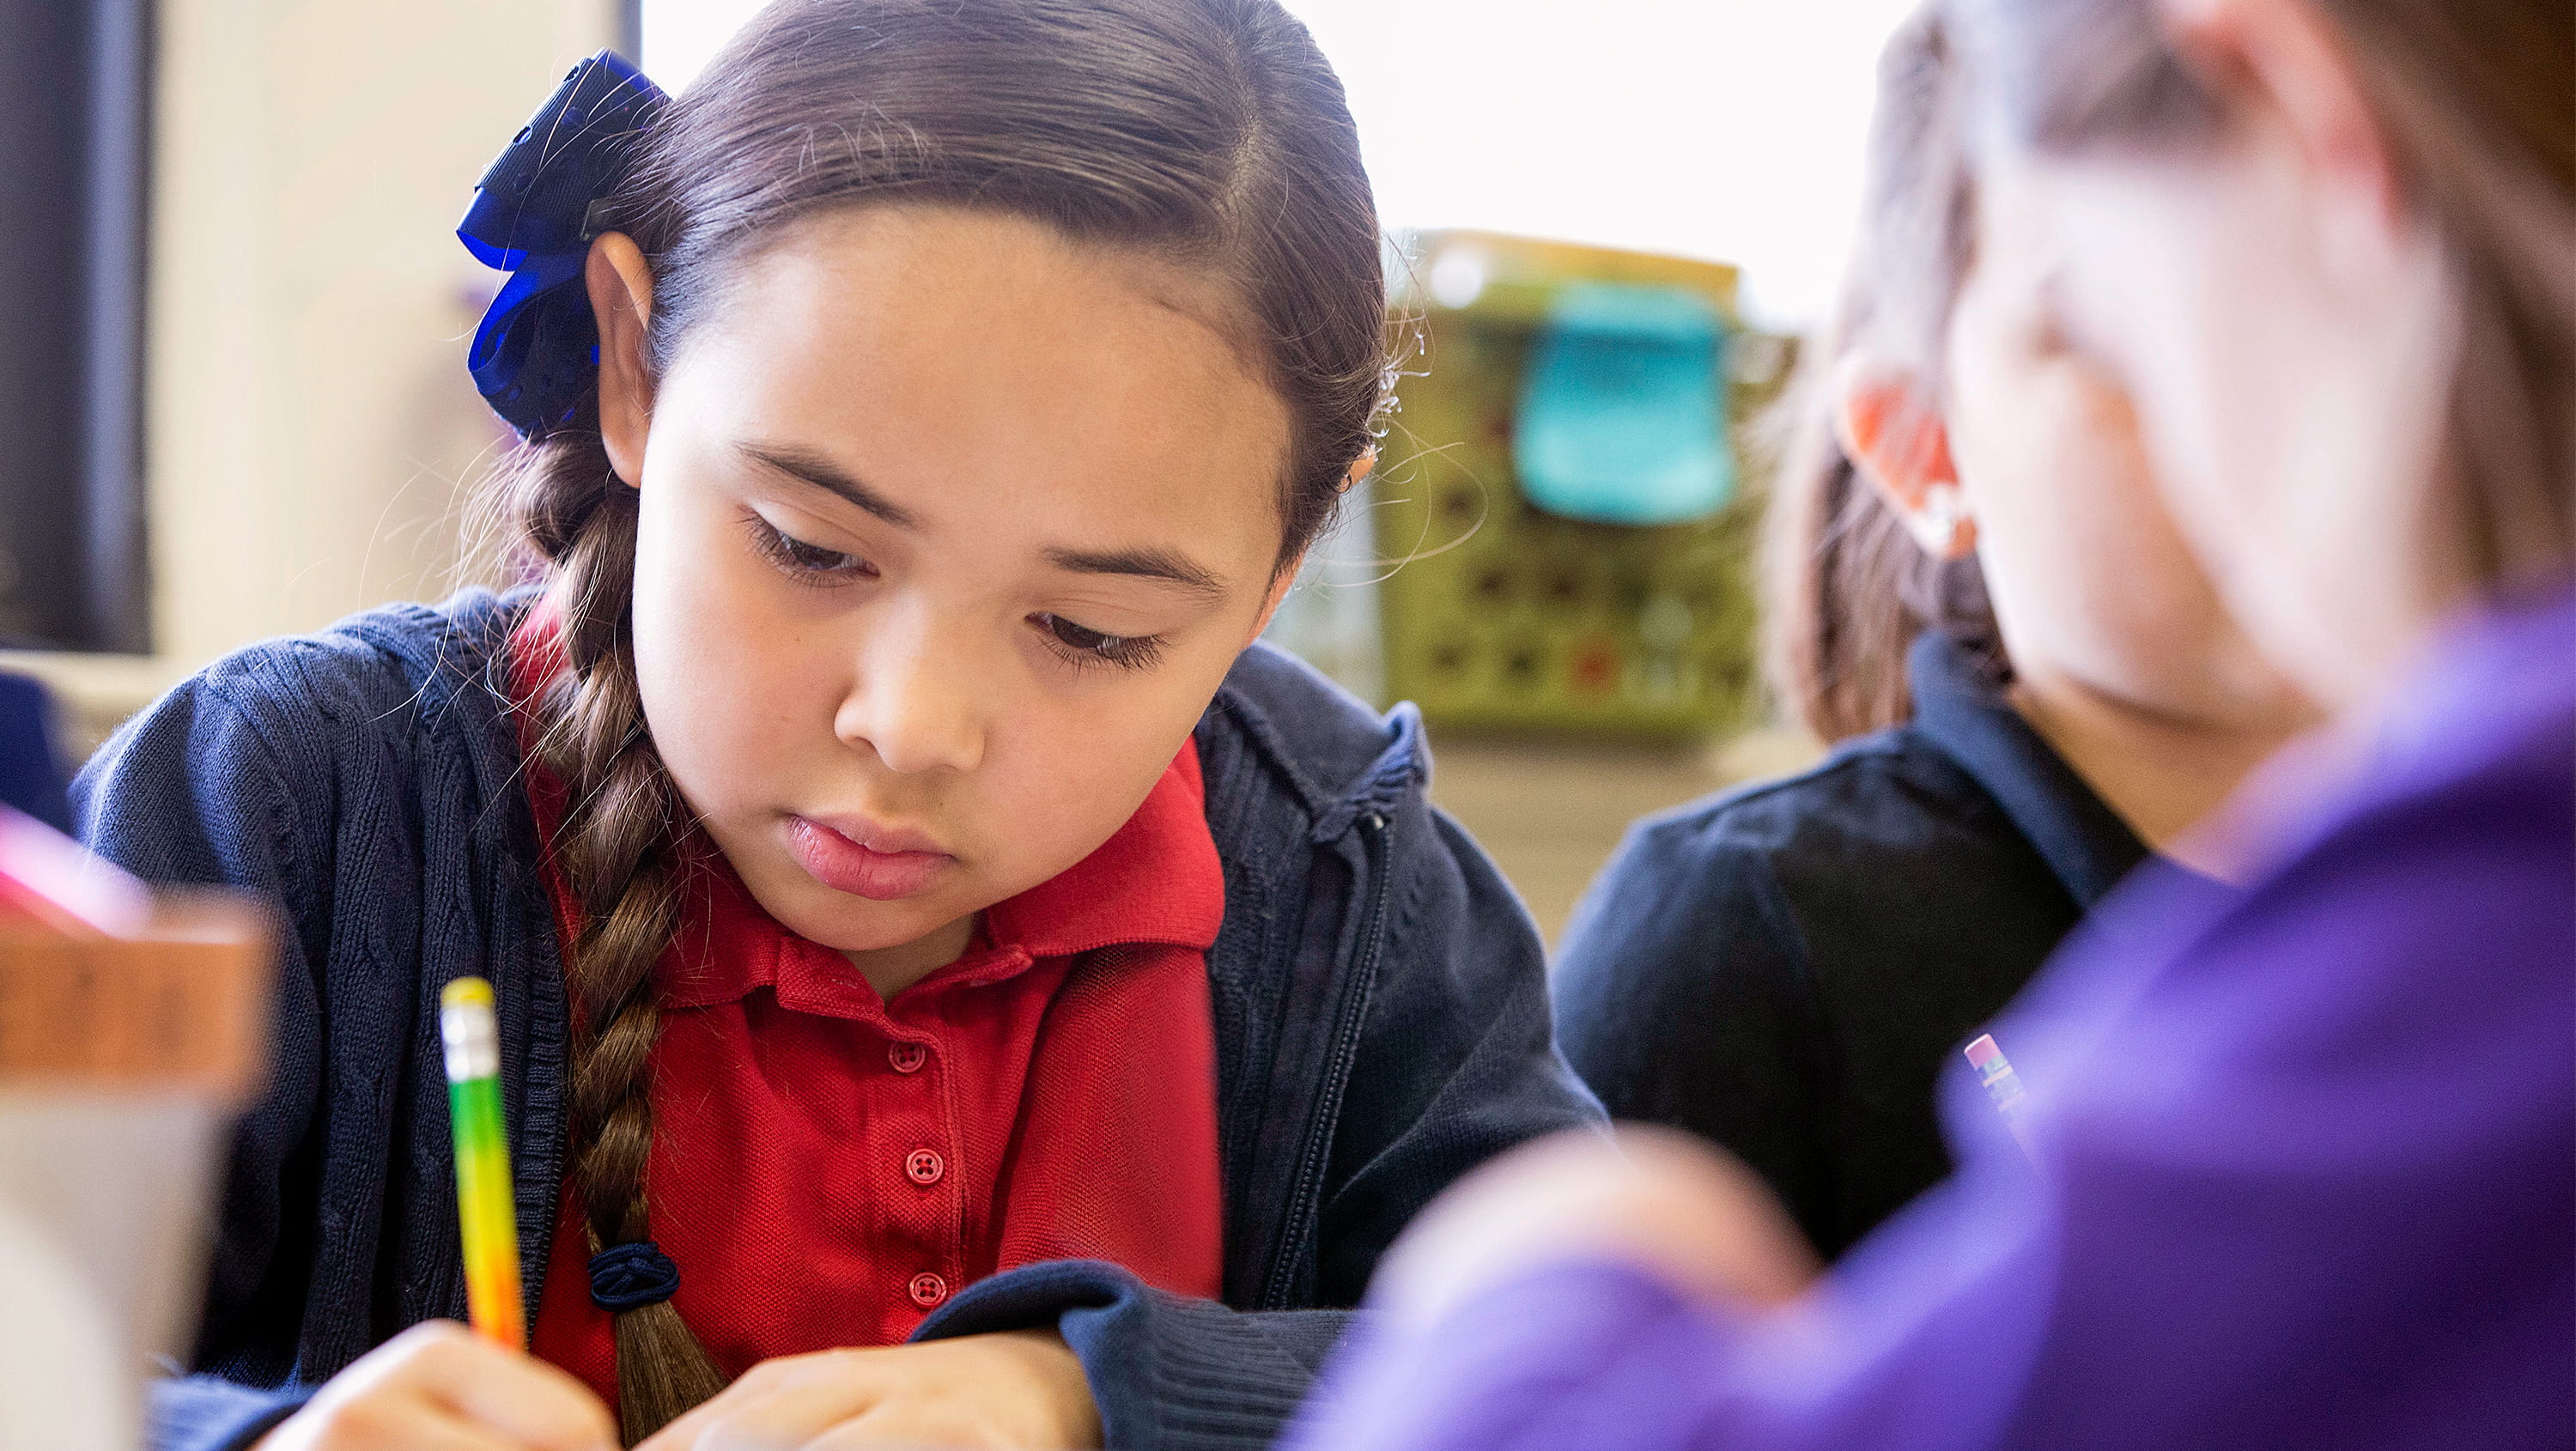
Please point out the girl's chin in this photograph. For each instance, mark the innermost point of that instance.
(840, 921)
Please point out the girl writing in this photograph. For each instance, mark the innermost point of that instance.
(952, 991)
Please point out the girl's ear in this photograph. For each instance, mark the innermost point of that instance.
(1897, 441)
(621, 298)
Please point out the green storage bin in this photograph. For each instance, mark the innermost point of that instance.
(1504, 617)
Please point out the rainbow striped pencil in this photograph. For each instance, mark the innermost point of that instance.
(485, 1213)
(2003, 1086)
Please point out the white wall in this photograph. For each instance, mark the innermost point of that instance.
(1730, 130)
(308, 420)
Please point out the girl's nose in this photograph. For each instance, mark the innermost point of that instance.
(913, 702)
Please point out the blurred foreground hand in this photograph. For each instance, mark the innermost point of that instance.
(1671, 1204)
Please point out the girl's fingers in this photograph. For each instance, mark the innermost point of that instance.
(809, 1383)
(522, 1400)
(519, 1403)
(787, 1420)
(420, 1392)
(1004, 1390)
(892, 1430)
(427, 1428)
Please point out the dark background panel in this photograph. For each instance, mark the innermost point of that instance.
(74, 116)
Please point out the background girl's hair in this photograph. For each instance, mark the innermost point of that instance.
(1848, 586)
(2475, 96)
(1209, 132)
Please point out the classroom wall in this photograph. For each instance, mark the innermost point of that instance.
(310, 431)
(309, 427)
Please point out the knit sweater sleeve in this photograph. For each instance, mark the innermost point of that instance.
(194, 792)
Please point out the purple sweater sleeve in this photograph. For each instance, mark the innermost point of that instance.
(2304, 1175)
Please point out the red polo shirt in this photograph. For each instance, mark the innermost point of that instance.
(828, 1166)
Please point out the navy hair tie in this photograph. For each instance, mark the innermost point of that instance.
(632, 1276)
(537, 351)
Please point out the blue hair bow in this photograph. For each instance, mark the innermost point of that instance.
(538, 349)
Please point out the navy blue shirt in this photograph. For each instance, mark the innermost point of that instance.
(1381, 1017)
(1786, 968)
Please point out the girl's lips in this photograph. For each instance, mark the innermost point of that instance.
(848, 866)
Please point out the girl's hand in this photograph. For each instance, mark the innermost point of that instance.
(440, 1387)
(1022, 1389)
(1667, 1202)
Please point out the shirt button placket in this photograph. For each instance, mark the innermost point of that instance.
(926, 1167)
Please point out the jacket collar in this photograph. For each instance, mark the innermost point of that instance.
(1340, 761)
(2085, 844)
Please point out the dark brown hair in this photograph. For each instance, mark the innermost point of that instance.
(1209, 132)
(2478, 98)
(1849, 587)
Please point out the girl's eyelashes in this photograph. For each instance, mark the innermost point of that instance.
(805, 563)
(1087, 647)
(812, 564)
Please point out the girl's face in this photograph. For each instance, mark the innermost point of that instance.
(2285, 331)
(950, 528)
(2091, 580)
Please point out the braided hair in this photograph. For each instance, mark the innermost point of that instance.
(1211, 132)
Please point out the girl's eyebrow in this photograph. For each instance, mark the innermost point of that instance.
(823, 474)
(1148, 562)
(1152, 562)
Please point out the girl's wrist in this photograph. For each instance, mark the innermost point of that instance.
(1063, 1385)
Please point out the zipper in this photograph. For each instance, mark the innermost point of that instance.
(1304, 1205)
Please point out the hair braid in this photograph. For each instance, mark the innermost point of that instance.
(618, 848)
(1207, 131)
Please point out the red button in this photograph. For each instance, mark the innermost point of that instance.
(907, 1057)
(927, 1289)
(924, 1166)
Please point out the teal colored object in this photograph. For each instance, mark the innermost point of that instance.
(1622, 416)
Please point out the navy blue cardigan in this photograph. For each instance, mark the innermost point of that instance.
(1381, 1017)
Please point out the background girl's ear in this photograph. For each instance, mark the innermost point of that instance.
(1361, 468)
(1895, 439)
(621, 299)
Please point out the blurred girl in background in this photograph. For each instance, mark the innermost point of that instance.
(914, 912)
(2301, 1165)
(1980, 597)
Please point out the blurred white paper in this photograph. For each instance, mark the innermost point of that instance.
(63, 1382)
(103, 1204)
